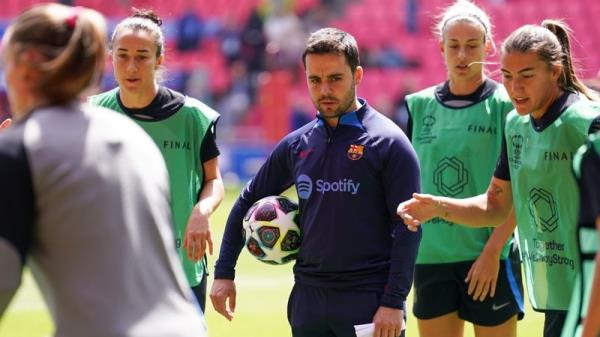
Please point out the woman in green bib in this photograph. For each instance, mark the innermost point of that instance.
(554, 112)
(456, 130)
(584, 313)
(183, 129)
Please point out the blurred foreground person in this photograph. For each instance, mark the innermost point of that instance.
(84, 192)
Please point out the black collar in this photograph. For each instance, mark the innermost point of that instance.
(564, 101)
(448, 99)
(166, 103)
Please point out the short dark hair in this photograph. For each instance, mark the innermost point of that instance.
(145, 20)
(333, 41)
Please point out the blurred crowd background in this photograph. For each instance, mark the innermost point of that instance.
(243, 57)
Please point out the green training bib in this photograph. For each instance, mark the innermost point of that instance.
(588, 247)
(546, 200)
(179, 138)
(458, 149)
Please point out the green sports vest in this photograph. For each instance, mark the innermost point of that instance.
(458, 149)
(546, 200)
(179, 138)
(588, 247)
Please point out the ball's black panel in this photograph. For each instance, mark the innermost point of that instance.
(286, 205)
(289, 258)
(254, 248)
(291, 241)
(270, 262)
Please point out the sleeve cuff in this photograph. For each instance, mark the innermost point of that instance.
(224, 274)
(392, 301)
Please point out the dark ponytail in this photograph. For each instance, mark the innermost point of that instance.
(551, 43)
(568, 79)
(147, 14)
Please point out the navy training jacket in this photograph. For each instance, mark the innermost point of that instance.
(350, 181)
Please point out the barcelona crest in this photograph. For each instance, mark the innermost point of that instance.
(355, 152)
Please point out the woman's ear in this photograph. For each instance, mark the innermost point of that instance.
(557, 70)
(25, 65)
(159, 61)
(489, 46)
(29, 75)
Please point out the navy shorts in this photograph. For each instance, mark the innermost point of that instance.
(554, 320)
(440, 289)
(327, 312)
(200, 293)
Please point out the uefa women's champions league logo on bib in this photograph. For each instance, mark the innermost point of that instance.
(425, 135)
(428, 122)
(516, 142)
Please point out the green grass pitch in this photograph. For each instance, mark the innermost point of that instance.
(261, 304)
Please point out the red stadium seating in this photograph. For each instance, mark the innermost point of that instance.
(374, 23)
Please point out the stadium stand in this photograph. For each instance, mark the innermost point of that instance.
(398, 58)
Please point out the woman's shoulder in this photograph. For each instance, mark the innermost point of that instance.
(195, 106)
(424, 94)
(103, 96)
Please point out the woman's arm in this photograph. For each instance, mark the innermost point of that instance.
(198, 236)
(484, 210)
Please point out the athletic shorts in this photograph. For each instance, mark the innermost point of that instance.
(200, 292)
(554, 321)
(440, 289)
(330, 312)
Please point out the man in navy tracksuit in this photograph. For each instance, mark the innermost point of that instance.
(351, 167)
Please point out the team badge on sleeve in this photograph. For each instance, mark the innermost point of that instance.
(355, 152)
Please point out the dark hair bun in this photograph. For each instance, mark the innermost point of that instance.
(147, 14)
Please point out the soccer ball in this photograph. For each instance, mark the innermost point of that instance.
(270, 231)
